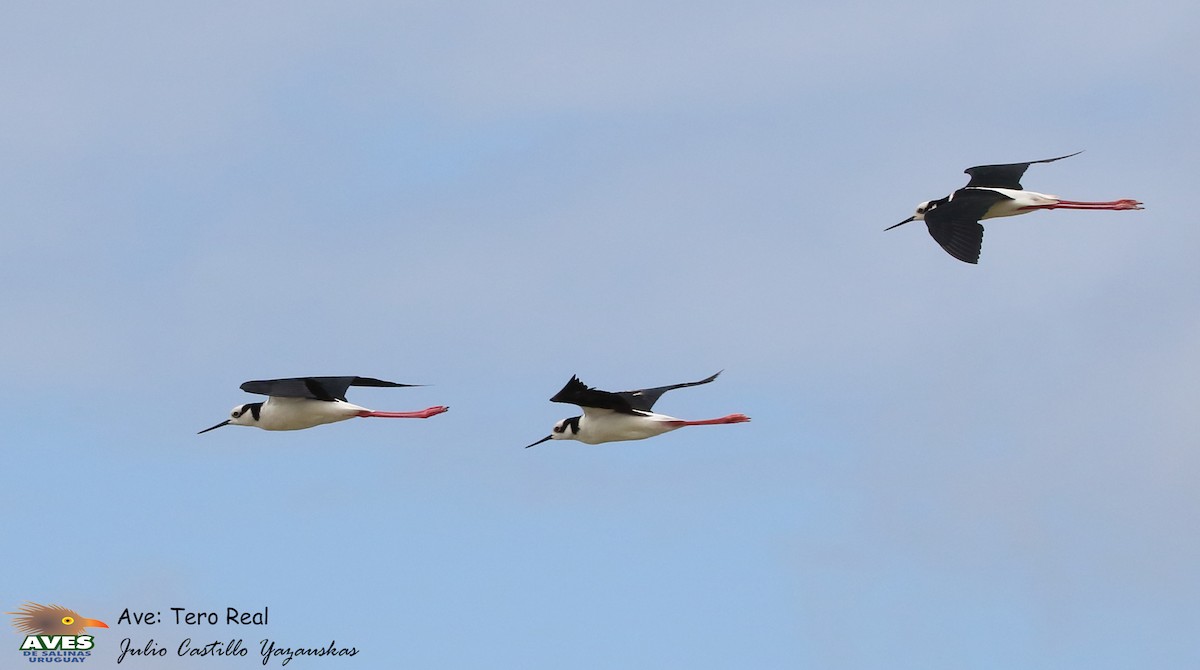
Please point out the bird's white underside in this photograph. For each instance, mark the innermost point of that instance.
(299, 413)
(1015, 202)
(605, 425)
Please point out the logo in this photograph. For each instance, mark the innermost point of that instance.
(54, 633)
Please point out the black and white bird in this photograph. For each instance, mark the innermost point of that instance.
(993, 191)
(625, 415)
(304, 402)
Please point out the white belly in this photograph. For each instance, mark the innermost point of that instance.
(301, 413)
(1017, 202)
(608, 426)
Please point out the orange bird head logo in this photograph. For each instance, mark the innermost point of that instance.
(34, 619)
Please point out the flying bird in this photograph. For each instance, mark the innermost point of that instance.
(304, 402)
(35, 619)
(625, 415)
(993, 191)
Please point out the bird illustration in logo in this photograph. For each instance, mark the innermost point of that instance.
(35, 619)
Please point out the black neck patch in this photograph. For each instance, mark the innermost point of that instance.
(255, 409)
(573, 424)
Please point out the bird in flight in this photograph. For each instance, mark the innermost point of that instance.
(304, 402)
(624, 415)
(993, 191)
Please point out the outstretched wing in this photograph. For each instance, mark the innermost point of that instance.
(316, 388)
(961, 240)
(628, 402)
(578, 393)
(644, 399)
(1007, 175)
(955, 223)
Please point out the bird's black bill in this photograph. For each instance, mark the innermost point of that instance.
(223, 423)
(911, 218)
(548, 437)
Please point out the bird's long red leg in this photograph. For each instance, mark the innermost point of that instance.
(423, 414)
(1079, 204)
(732, 418)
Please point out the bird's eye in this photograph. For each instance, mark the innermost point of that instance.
(67, 621)
(236, 414)
(558, 429)
(920, 210)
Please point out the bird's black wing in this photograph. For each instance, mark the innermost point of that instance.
(578, 393)
(627, 402)
(316, 388)
(1005, 176)
(961, 240)
(644, 399)
(955, 224)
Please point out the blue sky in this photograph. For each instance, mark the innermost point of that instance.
(949, 466)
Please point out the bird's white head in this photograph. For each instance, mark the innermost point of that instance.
(243, 415)
(246, 414)
(567, 429)
(922, 210)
